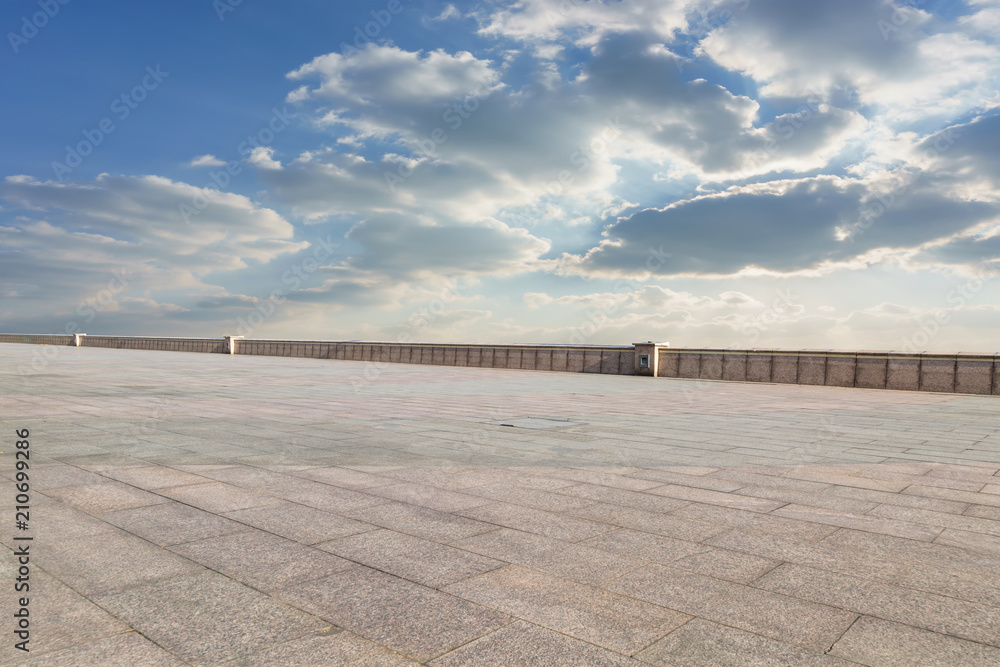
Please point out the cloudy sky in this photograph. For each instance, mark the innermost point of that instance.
(750, 173)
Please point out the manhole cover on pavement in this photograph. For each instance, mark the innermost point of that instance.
(536, 423)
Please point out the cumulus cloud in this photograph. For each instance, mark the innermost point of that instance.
(944, 202)
(139, 216)
(381, 78)
(878, 52)
(206, 160)
(584, 22)
(555, 150)
(608, 157)
(118, 247)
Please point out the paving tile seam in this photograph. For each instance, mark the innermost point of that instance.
(537, 625)
(414, 581)
(807, 649)
(572, 582)
(362, 633)
(249, 528)
(882, 617)
(720, 620)
(889, 580)
(445, 652)
(923, 629)
(277, 601)
(91, 600)
(842, 634)
(96, 640)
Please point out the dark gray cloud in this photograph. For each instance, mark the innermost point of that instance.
(792, 229)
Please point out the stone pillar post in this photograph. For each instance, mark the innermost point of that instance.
(646, 356)
(231, 342)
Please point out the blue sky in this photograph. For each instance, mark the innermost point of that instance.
(742, 173)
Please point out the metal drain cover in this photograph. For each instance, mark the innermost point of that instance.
(537, 423)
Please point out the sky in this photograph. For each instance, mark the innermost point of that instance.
(708, 173)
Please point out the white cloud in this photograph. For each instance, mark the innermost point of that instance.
(584, 22)
(388, 74)
(143, 213)
(903, 60)
(207, 160)
(263, 157)
(573, 145)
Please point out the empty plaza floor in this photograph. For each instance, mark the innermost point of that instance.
(206, 509)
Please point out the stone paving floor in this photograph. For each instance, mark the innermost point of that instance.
(205, 509)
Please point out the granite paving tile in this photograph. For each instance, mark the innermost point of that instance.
(783, 618)
(217, 497)
(428, 496)
(930, 553)
(97, 498)
(984, 473)
(344, 477)
(701, 642)
(524, 477)
(974, 541)
(827, 556)
(725, 517)
(412, 558)
(558, 526)
(172, 523)
(909, 530)
(535, 498)
(747, 478)
(331, 648)
(106, 562)
(922, 480)
(60, 617)
(406, 617)
(299, 522)
(126, 648)
(951, 494)
(207, 618)
(649, 522)
(564, 559)
(696, 481)
(716, 562)
(820, 500)
(903, 500)
(601, 478)
(930, 611)
(153, 477)
(264, 561)
(983, 512)
(248, 477)
(874, 641)
(824, 477)
(942, 519)
(950, 582)
(522, 643)
(59, 475)
(594, 615)
(642, 501)
(324, 496)
(716, 498)
(420, 521)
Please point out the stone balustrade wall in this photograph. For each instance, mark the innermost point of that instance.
(960, 373)
(957, 373)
